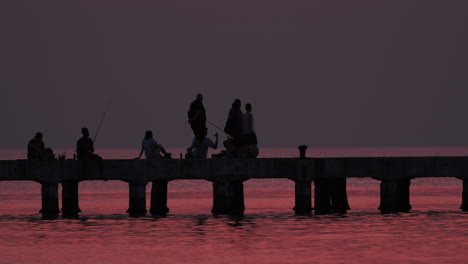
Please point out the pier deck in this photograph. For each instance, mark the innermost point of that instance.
(328, 174)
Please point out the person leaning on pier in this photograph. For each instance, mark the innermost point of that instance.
(151, 148)
(197, 117)
(199, 149)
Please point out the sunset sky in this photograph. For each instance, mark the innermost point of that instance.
(324, 73)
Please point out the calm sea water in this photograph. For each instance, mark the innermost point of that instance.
(435, 231)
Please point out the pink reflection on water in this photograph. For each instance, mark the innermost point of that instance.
(434, 232)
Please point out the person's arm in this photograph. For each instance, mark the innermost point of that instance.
(215, 146)
(163, 150)
(195, 116)
(189, 149)
(141, 152)
(211, 144)
(194, 142)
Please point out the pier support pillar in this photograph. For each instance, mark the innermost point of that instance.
(331, 196)
(228, 197)
(137, 199)
(303, 197)
(70, 202)
(464, 205)
(159, 197)
(238, 206)
(50, 202)
(394, 196)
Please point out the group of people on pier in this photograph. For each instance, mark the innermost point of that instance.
(84, 148)
(241, 138)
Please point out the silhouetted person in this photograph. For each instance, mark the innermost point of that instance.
(49, 154)
(197, 117)
(85, 147)
(249, 147)
(234, 122)
(151, 148)
(36, 147)
(199, 148)
(85, 151)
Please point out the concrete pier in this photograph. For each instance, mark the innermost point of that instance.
(238, 206)
(228, 197)
(464, 205)
(50, 199)
(228, 176)
(331, 196)
(159, 197)
(70, 200)
(137, 199)
(394, 196)
(330, 186)
(303, 197)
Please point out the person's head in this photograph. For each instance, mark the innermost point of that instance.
(85, 132)
(38, 136)
(236, 104)
(49, 151)
(248, 108)
(200, 97)
(148, 134)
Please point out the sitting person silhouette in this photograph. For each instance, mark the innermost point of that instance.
(36, 147)
(85, 147)
(151, 148)
(199, 148)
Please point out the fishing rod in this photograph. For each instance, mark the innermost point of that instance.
(216, 127)
(102, 119)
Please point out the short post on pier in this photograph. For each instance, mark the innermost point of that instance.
(137, 199)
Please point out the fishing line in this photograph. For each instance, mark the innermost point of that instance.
(102, 119)
(216, 127)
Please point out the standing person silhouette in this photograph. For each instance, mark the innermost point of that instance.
(249, 147)
(234, 122)
(197, 117)
(233, 128)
